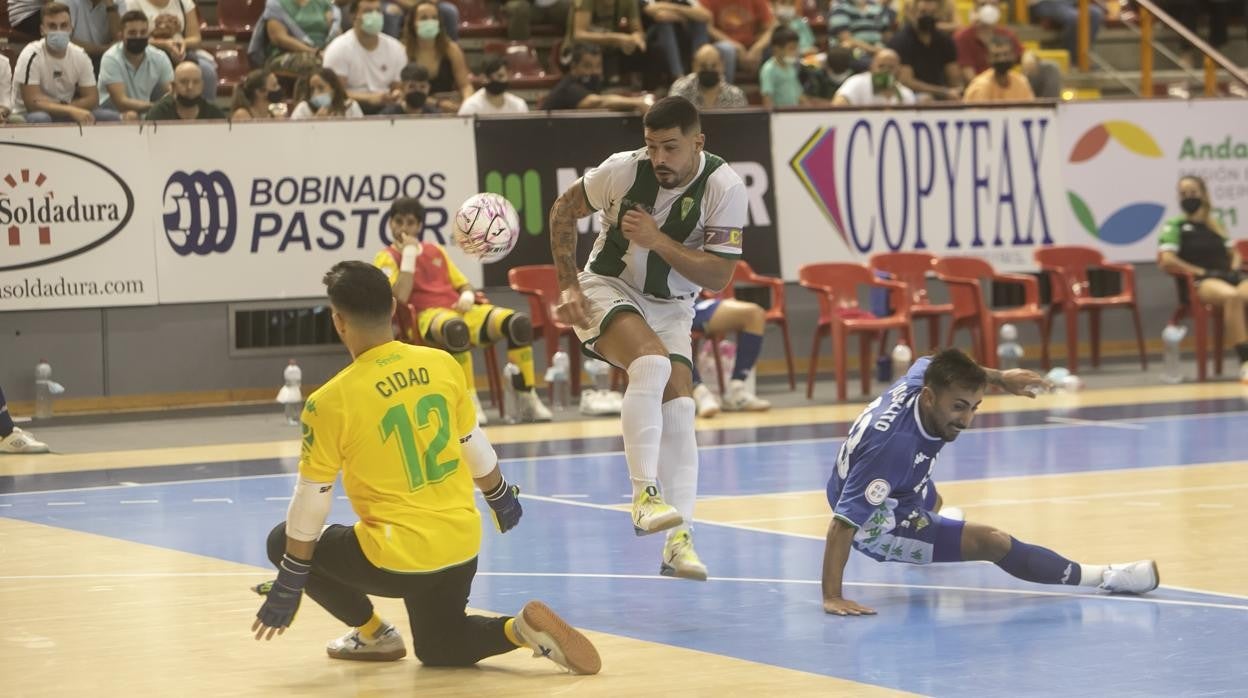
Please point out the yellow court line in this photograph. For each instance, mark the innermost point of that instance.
(607, 427)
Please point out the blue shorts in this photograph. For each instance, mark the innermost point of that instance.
(702, 312)
(909, 531)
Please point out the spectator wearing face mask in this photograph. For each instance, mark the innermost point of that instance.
(54, 80)
(581, 87)
(705, 86)
(429, 47)
(368, 61)
(838, 66)
(494, 97)
(1000, 83)
(973, 40)
(414, 99)
(778, 79)
(257, 97)
(929, 58)
(186, 102)
(879, 86)
(321, 95)
(187, 40)
(133, 73)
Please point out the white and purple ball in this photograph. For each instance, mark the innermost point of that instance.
(487, 227)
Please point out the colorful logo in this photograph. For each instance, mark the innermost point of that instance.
(815, 165)
(1132, 222)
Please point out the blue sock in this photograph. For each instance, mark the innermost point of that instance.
(697, 377)
(749, 346)
(1035, 564)
(6, 422)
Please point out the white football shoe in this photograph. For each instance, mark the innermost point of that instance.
(386, 647)
(1137, 577)
(22, 442)
(738, 398)
(708, 404)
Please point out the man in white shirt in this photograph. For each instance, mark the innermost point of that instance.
(6, 89)
(368, 61)
(53, 77)
(877, 86)
(494, 97)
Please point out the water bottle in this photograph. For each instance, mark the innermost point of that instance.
(1009, 352)
(902, 357)
(43, 390)
(1172, 337)
(600, 372)
(291, 395)
(510, 403)
(558, 375)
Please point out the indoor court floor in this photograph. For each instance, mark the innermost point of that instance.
(127, 572)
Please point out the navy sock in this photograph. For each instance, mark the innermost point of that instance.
(6, 421)
(1041, 565)
(749, 346)
(697, 377)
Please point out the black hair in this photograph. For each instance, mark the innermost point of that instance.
(492, 64)
(414, 72)
(360, 291)
(782, 36)
(673, 112)
(407, 206)
(839, 59)
(579, 51)
(952, 367)
(133, 16)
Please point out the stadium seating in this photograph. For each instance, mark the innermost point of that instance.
(777, 313)
(523, 65)
(1204, 318)
(477, 22)
(232, 67)
(912, 268)
(964, 275)
(236, 20)
(538, 283)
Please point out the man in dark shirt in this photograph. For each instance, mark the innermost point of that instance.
(186, 102)
(929, 58)
(580, 87)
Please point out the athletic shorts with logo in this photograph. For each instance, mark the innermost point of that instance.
(907, 530)
(607, 296)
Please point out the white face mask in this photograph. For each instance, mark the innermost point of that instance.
(989, 15)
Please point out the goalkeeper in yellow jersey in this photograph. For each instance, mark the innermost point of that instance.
(399, 425)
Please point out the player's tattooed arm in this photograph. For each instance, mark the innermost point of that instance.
(570, 207)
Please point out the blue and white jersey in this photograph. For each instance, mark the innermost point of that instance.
(886, 461)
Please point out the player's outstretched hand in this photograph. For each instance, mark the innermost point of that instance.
(640, 228)
(573, 309)
(845, 607)
(1020, 381)
(506, 508)
(281, 598)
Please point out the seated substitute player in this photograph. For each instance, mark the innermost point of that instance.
(449, 316)
(717, 317)
(399, 425)
(671, 217)
(885, 506)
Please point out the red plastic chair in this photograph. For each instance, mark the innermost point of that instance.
(540, 285)
(743, 275)
(1204, 317)
(836, 286)
(963, 276)
(405, 316)
(476, 20)
(1241, 246)
(1067, 268)
(912, 268)
(232, 69)
(236, 19)
(523, 64)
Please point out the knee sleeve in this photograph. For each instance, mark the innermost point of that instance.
(519, 330)
(455, 335)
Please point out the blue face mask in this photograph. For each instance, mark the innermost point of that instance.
(58, 41)
(320, 101)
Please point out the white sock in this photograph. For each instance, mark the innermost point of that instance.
(1091, 575)
(678, 470)
(641, 418)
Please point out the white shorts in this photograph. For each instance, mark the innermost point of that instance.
(671, 320)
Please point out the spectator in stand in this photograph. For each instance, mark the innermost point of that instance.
(599, 22)
(838, 66)
(581, 87)
(880, 86)
(55, 81)
(24, 16)
(1000, 83)
(291, 35)
(742, 32)
(368, 61)
(187, 40)
(788, 14)
(1045, 76)
(428, 46)
(494, 98)
(972, 41)
(1065, 13)
(778, 78)
(6, 89)
(259, 97)
(396, 10)
(705, 86)
(133, 73)
(186, 102)
(96, 26)
(946, 16)
(858, 25)
(414, 93)
(929, 59)
(521, 15)
(320, 95)
(675, 29)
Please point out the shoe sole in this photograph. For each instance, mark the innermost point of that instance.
(1156, 578)
(668, 571)
(662, 525)
(708, 413)
(391, 656)
(579, 654)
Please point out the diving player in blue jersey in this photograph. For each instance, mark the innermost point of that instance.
(885, 505)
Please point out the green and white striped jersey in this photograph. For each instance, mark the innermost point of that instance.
(707, 214)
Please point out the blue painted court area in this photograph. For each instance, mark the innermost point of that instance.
(968, 629)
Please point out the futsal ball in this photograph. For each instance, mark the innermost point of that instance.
(487, 227)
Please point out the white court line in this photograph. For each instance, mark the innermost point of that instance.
(785, 518)
(6, 505)
(1072, 421)
(277, 499)
(65, 504)
(209, 500)
(658, 578)
(139, 501)
(1121, 494)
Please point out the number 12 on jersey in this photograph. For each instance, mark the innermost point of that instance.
(423, 465)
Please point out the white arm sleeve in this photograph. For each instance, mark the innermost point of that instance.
(308, 509)
(479, 453)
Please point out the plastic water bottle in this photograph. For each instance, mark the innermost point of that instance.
(558, 375)
(45, 389)
(600, 372)
(902, 357)
(510, 403)
(1172, 337)
(1009, 351)
(291, 394)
